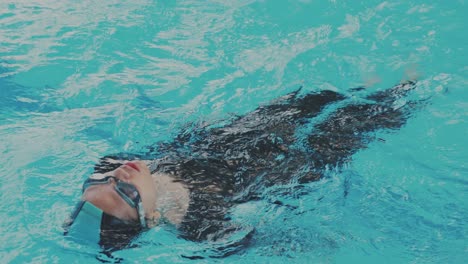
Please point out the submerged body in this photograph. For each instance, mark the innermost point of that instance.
(195, 180)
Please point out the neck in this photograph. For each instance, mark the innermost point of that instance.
(172, 199)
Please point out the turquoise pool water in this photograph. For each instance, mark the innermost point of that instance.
(82, 79)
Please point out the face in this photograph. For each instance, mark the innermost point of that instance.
(106, 198)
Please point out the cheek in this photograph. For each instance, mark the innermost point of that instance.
(143, 167)
(148, 194)
(121, 174)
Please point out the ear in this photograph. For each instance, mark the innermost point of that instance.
(152, 219)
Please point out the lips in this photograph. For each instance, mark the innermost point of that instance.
(133, 166)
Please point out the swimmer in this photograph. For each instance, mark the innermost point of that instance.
(192, 182)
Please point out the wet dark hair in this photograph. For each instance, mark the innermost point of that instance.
(287, 141)
(117, 234)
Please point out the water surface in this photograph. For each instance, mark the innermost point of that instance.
(82, 79)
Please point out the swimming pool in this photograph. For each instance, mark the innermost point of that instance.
(78, 78)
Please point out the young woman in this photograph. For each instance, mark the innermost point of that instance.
(193, 182)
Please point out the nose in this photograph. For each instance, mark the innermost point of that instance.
(121, 174)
